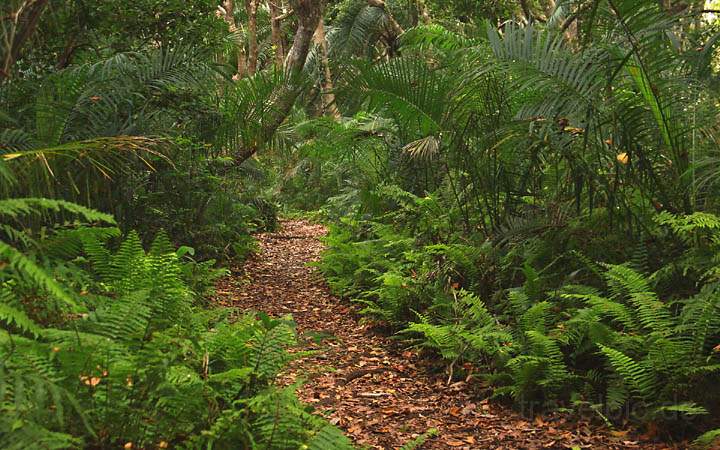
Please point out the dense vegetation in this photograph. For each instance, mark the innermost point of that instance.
(526, 190)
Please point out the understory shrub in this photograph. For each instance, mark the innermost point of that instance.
(206, 201)
(541, 322)
(131, 359)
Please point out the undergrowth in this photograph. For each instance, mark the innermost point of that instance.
(109, 348)
(601, 337)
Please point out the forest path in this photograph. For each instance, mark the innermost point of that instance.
(381, 395)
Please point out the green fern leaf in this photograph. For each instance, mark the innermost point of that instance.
(637, 377)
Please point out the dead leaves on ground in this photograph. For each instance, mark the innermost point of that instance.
(381, 395)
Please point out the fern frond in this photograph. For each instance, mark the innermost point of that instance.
(269, 347)
(34, 273)
(707, 440)
(546, 347)
(637, 377)
(15, 317)
(686, 409)
(19, 207)
(700, 320)
(419, 441)
(606, 307)
(161, 245)
(329, 437)
(125, 319)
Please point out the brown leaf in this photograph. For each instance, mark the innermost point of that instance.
(408, 395)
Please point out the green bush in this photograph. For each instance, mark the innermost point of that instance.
(134, 358)
(614, 346)
(204, 202)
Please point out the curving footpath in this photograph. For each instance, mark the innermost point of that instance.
(381, 394)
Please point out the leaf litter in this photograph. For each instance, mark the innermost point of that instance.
(381, 394)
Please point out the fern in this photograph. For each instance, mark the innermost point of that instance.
(27, 268)
(14, 317)
(700, 320)
(268, 347)
(124, 264)
(419, 441)
(707, 440)
(637, 377)
(18, 207)
(651, 312)
(329, 437)
(686, 409)
(606, 307)
(689, 227)
(99, 256)
(125, 319)
(547, 348)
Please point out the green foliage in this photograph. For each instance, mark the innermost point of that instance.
(143, 364)
(205, 202)
(707, 439)
(614, 345)
(419, 441)
(475, 336)
(527, 191)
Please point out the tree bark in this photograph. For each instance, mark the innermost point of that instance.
(424, 13)
(251, 9)
(309, 13)
(24, 21)
(229, 17)
(393, 26)
(67, 54)
(526, 11)
(328, 96)
(276, 32)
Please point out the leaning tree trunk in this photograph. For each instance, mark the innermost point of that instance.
(23, 22)
(309, 13)
(393, 29)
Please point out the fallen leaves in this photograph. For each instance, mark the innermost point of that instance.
(382, 395)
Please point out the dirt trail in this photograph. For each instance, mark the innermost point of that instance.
(366, 383)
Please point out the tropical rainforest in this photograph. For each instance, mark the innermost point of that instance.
(336, 224)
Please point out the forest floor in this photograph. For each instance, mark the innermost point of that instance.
(381, 394)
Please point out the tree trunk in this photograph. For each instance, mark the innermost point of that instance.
(394, 27)
(24, 21)
(251, 8)
(309, 13)
(67, 54)
(418, 13)
(229, 17)
(276, 32)
(526, 11)
(328, 97)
